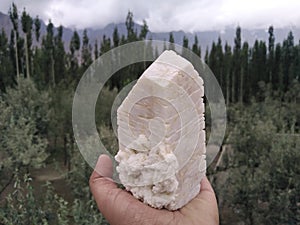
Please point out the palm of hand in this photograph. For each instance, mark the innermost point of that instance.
(121, 208)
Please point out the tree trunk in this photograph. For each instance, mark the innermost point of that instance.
(227, 88)
(27, 57)
(242, 86)
(65, 151)
(233, 88)
(7, 184)
(52, 69)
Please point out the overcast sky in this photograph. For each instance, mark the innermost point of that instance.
(165, 15)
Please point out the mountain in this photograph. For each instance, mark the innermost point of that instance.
(205, 37)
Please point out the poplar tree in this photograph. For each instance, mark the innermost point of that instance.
(277, 78)
(48, 55)
(271, 50)
(59, 55)
(144, 31)
(219, 62)
(86, 49)
(116, 37)
(105, 45)
(27, 28)
(212, 60)
(237, 63)
(37, 28)
(206, 60)
(185, 45)
(74, 48)
(244, 70)
(288, 60)
(131, 34)
(227, 71)
(96, 50)
(116, 79)
(196, 48)
(6, 71)
(171, 40)
(14, 17)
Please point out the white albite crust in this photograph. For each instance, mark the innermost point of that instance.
(161, 134)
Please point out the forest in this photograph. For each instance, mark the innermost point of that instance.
(43, 177)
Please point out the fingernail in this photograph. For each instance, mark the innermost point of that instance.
(104, 166)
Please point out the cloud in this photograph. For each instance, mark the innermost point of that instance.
(34, 7)
(167, 15)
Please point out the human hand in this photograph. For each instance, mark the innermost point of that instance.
(119, 207)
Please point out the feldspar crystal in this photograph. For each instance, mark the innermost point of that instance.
(161, 134)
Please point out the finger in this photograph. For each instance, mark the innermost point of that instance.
(103, 168)
(207, 193)
(204, 205)
(206, 186)
(205, 198)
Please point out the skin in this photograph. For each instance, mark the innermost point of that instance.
(120, 208)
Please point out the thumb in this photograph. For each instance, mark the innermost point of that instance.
(117, 205)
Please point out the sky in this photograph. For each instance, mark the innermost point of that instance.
(165, 15)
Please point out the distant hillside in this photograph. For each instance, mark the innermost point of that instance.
(205, 37)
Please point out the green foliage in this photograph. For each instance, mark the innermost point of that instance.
(144, 31)
(131, 34)
(23, 207)
(86, 52)
(36, 120)
(196, 48)
(171, 40)
(59, 57)
(6, 80)
(24, 117)
(37, 28)
(264, 181)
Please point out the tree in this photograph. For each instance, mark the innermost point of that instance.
(96, 50)
(116, 79)
(288, 63)
(37, 28)
(48, 55)
(171, 40)
(75, 42)
(227, 71)
(196, 48)
(206, 57)
(219, 62)
(144, 31)
(212, 59)
(271, 50)
(263, 186)
(116, 37)
(27, 28)
(236, 64)
(6, 71)
(24, 125)
(86, 50)
(244, 70)
(258, 65)
(131, 34)
(105, 45)
(74, 48)
(59, 56)
(185, 45)
(277, 78)
(37, 58)
(14, 17)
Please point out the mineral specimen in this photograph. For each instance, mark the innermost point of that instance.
(161, 134)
